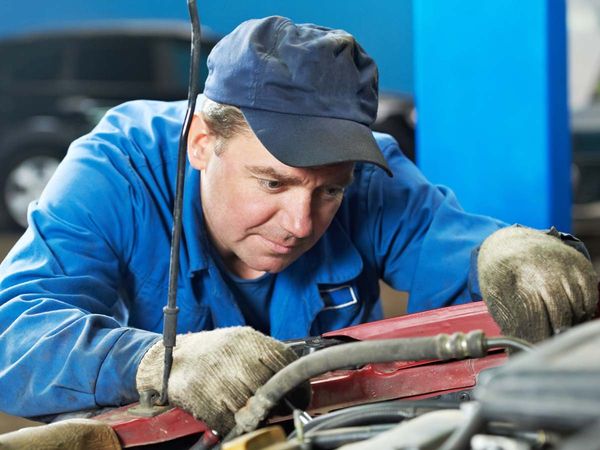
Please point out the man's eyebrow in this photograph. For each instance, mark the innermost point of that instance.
(273, 174)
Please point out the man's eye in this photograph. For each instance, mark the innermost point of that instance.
(270, 185)
(334, 191)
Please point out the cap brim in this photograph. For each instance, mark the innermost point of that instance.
(308, 141)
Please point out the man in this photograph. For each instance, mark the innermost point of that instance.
(293, 210)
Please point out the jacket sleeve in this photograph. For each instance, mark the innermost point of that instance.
(423, 240)
(63, 311)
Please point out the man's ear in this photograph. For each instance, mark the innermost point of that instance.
(201, 143)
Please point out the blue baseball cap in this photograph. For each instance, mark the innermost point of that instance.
(308, 92)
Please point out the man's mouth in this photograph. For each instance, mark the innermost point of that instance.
(276, 247)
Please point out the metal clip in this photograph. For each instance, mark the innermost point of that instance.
(147, 407)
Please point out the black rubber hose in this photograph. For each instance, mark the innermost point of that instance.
(439, 347)
(387, 412)
(382, 414)
(359, 418)
(331, 439)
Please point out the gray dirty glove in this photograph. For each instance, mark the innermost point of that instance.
(533, 284)
(76, 434)
(215, 372)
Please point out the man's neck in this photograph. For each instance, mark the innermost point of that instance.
(241, 270)
(230, 261)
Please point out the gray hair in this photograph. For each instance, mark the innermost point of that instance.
(224, 121)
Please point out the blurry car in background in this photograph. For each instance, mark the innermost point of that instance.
(55, 85)
(585, 126)
(396, 115)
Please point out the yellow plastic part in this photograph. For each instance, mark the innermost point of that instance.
(257, 440)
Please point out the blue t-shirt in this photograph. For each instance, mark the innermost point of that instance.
(254, 298)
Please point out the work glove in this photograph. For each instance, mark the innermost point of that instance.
(534, 285)
(74, 434)
(215, 372)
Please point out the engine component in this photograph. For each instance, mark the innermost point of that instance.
(439, 347)
(332, 439)
(342, 388)
(426, 431)
(489, 442)
(556, 386)
(588, 439)
(374, 413)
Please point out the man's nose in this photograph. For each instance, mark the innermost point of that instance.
(298, 219)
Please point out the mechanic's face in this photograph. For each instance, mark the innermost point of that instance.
(261, 214)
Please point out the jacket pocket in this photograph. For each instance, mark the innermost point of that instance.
(341, 308)
(338, 297)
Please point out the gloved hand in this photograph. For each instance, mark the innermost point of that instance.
(535, 285)
(215, 372)
(75, 434)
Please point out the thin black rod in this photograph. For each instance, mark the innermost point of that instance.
(171, 310)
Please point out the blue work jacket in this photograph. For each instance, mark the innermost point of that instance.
(82, 292)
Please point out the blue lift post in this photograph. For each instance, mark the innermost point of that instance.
(490, 82)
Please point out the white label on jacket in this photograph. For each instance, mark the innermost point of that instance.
(338, 297)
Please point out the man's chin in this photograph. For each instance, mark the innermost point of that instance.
(272, 264)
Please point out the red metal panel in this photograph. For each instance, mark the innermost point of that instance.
(407, 380)
(135, 430)
(467, 317)
(373, 382)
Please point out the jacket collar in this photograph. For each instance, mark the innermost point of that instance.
(333, 260)
(194, 238)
